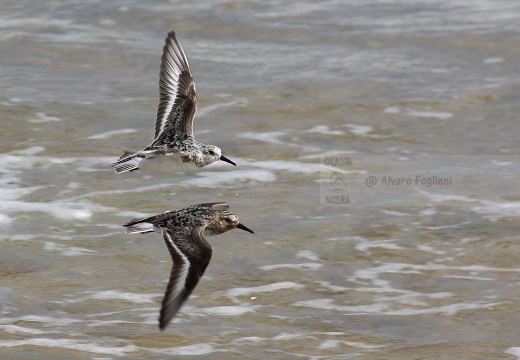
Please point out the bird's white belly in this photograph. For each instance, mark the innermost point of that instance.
(166, 163)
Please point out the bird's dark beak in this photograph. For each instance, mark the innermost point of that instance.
(223, 158)
(240, 226)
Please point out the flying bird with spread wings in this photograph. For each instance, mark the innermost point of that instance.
(174, 147)
(183, 231)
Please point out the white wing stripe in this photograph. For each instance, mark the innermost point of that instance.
(170, 81)
(183, 274)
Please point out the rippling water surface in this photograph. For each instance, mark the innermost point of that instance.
(399, 88)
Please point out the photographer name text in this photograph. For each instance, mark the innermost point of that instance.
(418, 180)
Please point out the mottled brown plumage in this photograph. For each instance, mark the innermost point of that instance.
(183, 231)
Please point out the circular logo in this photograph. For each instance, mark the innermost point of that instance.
(371, 181)
(337, 181)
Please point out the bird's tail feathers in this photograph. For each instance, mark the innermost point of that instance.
(126, 162)
(139, 228)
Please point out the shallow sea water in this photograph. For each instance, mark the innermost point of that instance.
(401, 88)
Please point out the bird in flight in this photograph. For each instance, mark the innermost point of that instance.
(174, 147)
(183, 231)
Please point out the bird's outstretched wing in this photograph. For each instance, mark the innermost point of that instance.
(191, 255)
(178, 99)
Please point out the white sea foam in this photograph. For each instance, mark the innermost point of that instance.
(490, 207)
(418, 113)
(236, 292)
(328, 153)
(428, 212)
(46, 320)
(33, 150)
(15, 329)
(95, 323)
(126, 296)
(91, 164)
(60, 210)
(43, 118)
(128, 214)
(270, 137)
(215, 179)
(324, 129)
(4, 219)
(140, 309)
(450, 226)
(139, 189)
(500, 208)
(360, 130)
(404, 268)
(392, 110)
(228, 310)
(249, 339)
(109, 134)
(394, 213)
(437, 198)
(365, 244)
(291, 166)
(430, 114)
(393, 301)
(492, 60)
(515, 351)
(429, 249)
(387, 309)
(304, 266)
(332, 344)
(284, 336)
(503, 163)
(378, 285)
(365, 131)
(202, 111)
(75, 214)
(81, 345)
(13, 193)
(329, 286)
(107, 22)
(273, 137)
(188, 350)
(19, 160)
(5, 294)
(66, 250)
(19, 237)
(468, 277)
(307, 254)
(112, 295)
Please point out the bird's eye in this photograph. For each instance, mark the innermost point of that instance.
(211, 152)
